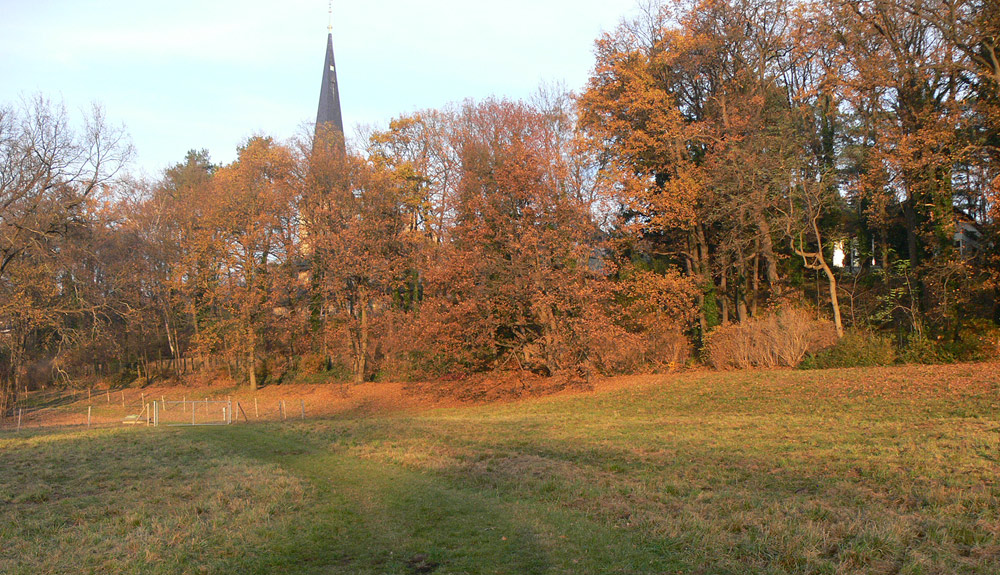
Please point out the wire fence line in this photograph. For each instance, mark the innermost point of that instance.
(106, 408)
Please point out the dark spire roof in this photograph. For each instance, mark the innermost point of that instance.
(329, 95)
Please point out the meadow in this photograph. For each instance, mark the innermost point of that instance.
(888, 470)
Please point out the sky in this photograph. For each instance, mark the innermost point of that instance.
(208, 74)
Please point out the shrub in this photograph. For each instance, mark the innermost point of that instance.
(640, 325)
(666, 347)
(781, 338)
(613, 350)
(920, 349)
(855, 349)
(977, 341)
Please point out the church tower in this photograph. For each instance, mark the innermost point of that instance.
(329, 114)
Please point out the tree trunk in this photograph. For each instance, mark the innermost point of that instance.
(253, 371)
(194, 323)
(910, 219)
(724, 291)
(741, 288)
(834, 299)
(694, 271)
(361, 345)
(884, 245)
(704, 274)
(548, 321)
(324, 318)
(767, 251)
(252, 361)
(819, 263)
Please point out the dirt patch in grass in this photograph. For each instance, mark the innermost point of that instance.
(911, 384)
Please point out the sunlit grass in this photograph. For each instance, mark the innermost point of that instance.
(133, 502)
(851, 471)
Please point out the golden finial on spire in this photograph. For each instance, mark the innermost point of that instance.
(329, 26)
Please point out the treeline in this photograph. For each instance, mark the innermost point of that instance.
(741, 182)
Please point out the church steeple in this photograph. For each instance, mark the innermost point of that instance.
(329, 95)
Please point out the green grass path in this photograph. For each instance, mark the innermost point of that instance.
(892, 471)
(373, 517)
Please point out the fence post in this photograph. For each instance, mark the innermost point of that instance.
(245, 418)
(88, 416)
(303, 408)
(123, 398)
(20, 410)
(192, 413)
(156, 414)
(109, 396)
(256, 412)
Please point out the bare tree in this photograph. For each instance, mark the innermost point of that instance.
(47, 172)
(808, 203)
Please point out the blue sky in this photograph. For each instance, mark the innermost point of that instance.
(183, 74)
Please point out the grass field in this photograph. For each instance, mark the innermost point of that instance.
(848, 471)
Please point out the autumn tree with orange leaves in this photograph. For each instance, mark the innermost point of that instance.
(362, 238)
(686, 105)
(728, 161)
(253, 226)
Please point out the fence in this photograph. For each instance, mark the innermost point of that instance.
(106, 408)
(184, 412)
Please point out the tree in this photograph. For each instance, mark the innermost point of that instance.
(177, 212)
(904, 85)
(363, 228)
(522, 240)
(688, 108)
(47, 172)
(252, 227)
(809, 203)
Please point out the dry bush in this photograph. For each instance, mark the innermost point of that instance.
(650, 311)
(781, 338)
(579, 328)
(613, 350)
(666, 347)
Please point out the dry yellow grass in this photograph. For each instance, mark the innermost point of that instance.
(886, 470)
